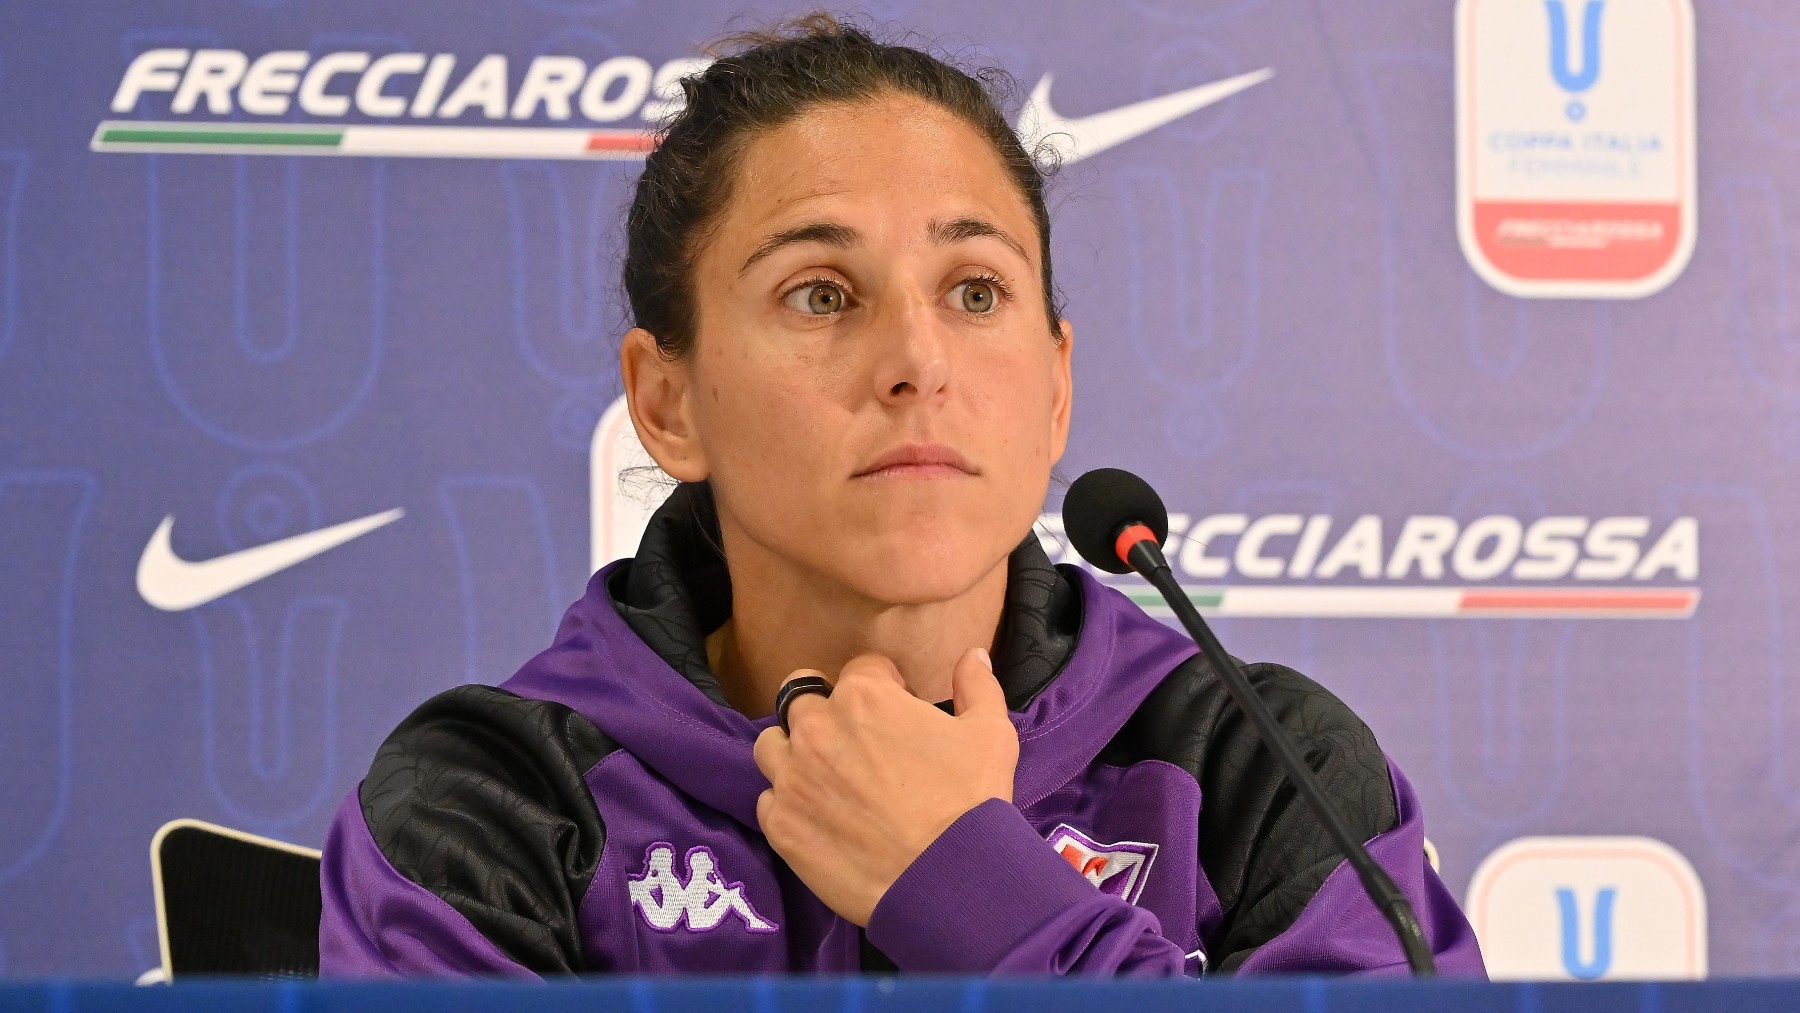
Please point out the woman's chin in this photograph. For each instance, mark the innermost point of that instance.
(931, 566)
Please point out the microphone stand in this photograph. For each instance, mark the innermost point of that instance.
(1147, 559)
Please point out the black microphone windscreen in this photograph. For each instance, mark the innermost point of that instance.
(1101, 502)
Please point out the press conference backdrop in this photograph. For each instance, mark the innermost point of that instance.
(1461, 337)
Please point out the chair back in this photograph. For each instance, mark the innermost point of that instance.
(232, 903)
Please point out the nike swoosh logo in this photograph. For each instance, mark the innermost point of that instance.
(1076, 139)
(173, 584)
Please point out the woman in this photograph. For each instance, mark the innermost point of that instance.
(848, 353)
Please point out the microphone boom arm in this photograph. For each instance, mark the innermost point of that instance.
(1146, 557)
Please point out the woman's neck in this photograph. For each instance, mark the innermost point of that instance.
(783, 619)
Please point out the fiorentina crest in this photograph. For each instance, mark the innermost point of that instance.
(704, 900)
(1119, 869)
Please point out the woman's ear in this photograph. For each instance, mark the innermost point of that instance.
(1063, 378)
(657, 391)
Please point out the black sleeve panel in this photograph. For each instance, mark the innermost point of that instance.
(1261, 848)
(479, 797)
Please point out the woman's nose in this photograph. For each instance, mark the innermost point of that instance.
(913, 360)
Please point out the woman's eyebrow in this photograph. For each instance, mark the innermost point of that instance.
(829, 233)
(957, 230)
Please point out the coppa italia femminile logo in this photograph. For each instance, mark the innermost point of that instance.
(1283, 565)
(1575, 144)
(419, 96)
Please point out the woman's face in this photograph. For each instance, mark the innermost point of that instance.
(874, 390)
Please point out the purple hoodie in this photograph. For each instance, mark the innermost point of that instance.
(596, 812)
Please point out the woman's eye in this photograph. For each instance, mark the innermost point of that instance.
(975, 296)
(819, 298)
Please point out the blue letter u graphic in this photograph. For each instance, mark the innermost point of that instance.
(1559, 45)
(1571, 933)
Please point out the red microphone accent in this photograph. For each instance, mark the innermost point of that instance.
(1129, 536)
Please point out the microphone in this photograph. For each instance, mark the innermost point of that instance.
(1118, 523)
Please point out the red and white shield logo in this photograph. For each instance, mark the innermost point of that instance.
(1119, 869)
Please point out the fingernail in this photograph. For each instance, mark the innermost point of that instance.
(985, 659)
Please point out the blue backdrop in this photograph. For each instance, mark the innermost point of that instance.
(298, 323)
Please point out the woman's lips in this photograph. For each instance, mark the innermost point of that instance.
(919, 460)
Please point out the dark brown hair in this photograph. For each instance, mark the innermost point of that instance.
(763, 80)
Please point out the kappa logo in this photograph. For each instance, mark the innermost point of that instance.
(1118, 869)
(703, 901)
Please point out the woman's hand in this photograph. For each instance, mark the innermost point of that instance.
(871, 775)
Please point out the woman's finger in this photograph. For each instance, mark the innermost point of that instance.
(764, 803)
(803, 710)
(973, 686)
(878, 666)
(772, 753)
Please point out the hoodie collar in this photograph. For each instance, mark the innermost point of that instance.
(677, 591)
(1074, 657)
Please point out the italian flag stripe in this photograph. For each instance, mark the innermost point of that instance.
(165, 135)
(1433, 602)
(1678, 602)
(372, 140)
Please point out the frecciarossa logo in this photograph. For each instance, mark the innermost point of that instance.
(434, 104)
(415, 86)
(447, 105)
(1430, 565)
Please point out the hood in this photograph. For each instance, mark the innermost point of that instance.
(1075, 658)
